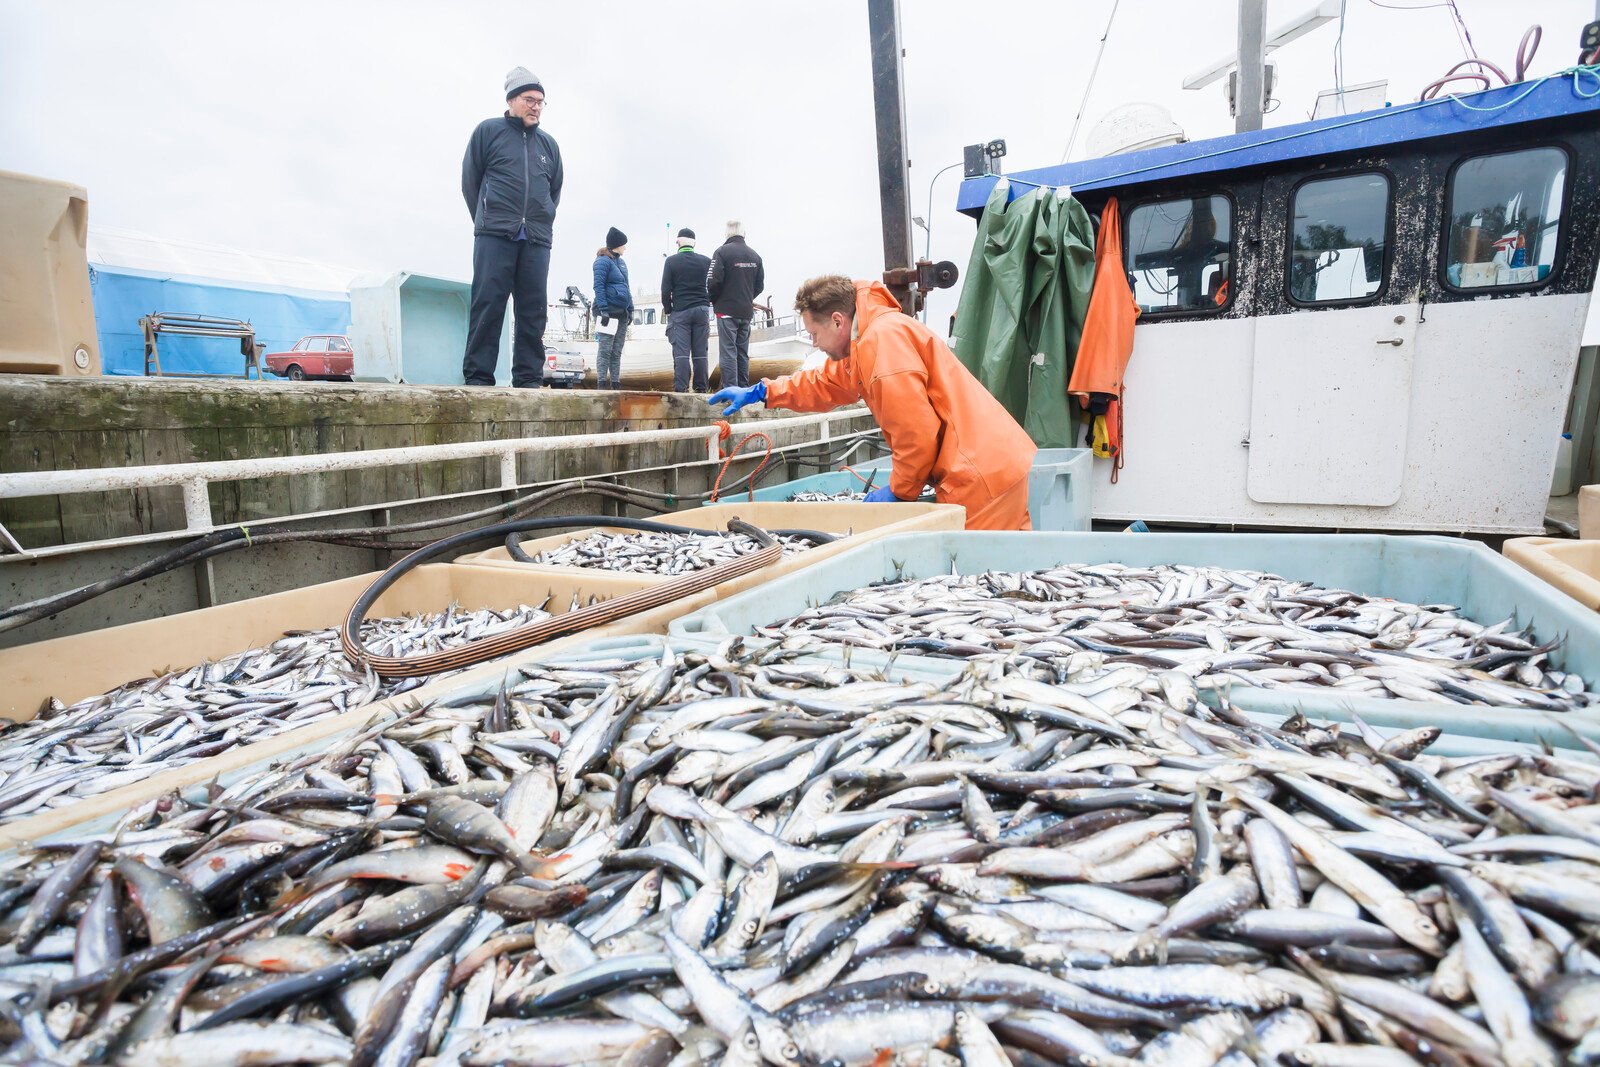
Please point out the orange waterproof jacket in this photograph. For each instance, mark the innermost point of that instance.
(1108, 326)
(942, 426)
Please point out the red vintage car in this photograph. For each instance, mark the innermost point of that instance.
(320, 356)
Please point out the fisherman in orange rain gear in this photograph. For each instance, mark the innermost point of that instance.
(942, 426)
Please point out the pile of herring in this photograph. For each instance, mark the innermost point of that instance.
(657, 553)
(1219, 626)
(737, 857)
(176, 717)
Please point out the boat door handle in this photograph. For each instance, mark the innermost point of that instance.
(1396, 341)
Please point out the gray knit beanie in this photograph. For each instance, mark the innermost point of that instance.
(520, 80)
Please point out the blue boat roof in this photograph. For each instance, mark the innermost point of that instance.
(1575, 92)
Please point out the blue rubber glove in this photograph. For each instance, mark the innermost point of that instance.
(737, 398)
(881, 495)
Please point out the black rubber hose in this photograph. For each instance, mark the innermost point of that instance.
(233, 538)
(514, 539)
(767, 552)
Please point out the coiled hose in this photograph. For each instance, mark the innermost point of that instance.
(769, 552)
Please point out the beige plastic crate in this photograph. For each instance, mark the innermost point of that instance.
(1589, 512)
(46, 308)
(860, 522)
(82, 665)
(1571, 566)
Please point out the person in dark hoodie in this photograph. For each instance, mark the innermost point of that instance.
(737, 278)
(686, 304)
(613, 303)
(511, 179)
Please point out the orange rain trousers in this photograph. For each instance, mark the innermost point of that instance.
(942, 426)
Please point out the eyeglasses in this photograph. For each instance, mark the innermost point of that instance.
(532, 103)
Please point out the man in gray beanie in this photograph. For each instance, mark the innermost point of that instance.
(511, 179)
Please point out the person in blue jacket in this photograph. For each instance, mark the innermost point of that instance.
(613, 303)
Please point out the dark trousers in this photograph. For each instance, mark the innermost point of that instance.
(690, 332)
(608, 357)
(733, 350)
(504, 268)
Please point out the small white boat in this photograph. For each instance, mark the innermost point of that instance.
(778, 345)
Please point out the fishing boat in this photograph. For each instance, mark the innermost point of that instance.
(835, 782)
(1368, 321)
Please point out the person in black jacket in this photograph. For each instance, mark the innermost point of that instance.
(737, 278)
(686, 303)
(511, 179)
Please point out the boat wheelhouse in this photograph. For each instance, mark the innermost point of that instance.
(1363, 322)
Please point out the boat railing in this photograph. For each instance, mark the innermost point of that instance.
(196, 479)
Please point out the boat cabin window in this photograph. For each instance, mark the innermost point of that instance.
(1180, 254)
(1341, 228)
(1505, 218)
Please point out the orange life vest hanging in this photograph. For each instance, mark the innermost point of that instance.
(1107, 343)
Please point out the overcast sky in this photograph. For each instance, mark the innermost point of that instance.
(334, 130)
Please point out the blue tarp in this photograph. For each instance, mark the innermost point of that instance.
(280, 317)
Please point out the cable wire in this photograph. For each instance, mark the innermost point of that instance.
(1577, 73)
(377, 538)
(1094, 70)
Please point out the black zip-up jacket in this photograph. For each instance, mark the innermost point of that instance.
(511, 177)
(683, 281)
(737, 278)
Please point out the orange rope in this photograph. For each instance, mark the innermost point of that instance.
(852, 471)
(1116, 461)
(725, 431)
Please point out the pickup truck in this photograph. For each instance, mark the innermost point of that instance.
(320, 356)
(563, 368)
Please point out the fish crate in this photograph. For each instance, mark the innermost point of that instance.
(827, 482)
(1571, 566)
(84, 665)
(856, 522)
(1425, 570)
(1589, 512)
(579, 652)
(192, 781)
(1060, 486)
(1450, 743)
